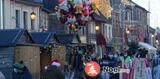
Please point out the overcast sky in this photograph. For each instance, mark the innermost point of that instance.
(154, 9)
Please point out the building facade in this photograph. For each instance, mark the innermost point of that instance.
(44, 19)
(1, 14)
(152, 36)
(116, 17)
(105, 10)
(135, 21)
(17, 14)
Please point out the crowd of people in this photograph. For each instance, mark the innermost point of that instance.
(131, 66)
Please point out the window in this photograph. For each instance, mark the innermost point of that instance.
(126, 15)
(32, 25)
(17, 19)
(25, 20)
(91, 28)
(84, 30)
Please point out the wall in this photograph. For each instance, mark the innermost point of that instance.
(116, 27)
(55, 25)
(1, 14)
(31, 58)
(7, 14)
(136, 19)
(44, 18)
(10, 14)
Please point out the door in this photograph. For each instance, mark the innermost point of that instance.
(45, 58)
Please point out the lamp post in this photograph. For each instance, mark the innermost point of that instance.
(97, 28)
(33, 16)
(127, 34)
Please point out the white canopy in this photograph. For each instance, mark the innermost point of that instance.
(148, 47)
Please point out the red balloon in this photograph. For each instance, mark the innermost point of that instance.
(90, 8)
(73, 10)
(84, 4)
(63, 19)
(81, 22)
(85, 12)
(63, 12)
(70, 15)
(77, 15)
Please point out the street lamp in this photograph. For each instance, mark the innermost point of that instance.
(152, 36)
(33, 16)
(127, 31)
(97, 28)
(157, 41)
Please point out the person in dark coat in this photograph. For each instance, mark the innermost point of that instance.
(53, 71)
(21, 71)
(2, 75)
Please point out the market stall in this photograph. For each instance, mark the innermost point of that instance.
(16, 45)
(44, 39)
(61, 51)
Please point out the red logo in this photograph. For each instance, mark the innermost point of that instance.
(92, 69)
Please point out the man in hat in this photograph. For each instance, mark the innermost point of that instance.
(21, 71)
(54, 71)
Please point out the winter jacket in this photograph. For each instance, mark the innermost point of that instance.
(53, 72)
(25, 74)
(2, 76)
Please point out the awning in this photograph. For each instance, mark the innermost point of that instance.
(148, 47)
(67, 39)
(11, 37)
(100, 40)
(43, 38)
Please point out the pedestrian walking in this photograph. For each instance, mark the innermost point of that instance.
(54, 71)
(2, 76)
(21, 71)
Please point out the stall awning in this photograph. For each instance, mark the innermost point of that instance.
(11, 37)
(100, 40)
(43, 38)
(67, 39)
(147, 46)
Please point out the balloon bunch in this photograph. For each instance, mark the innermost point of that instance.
(75, 13)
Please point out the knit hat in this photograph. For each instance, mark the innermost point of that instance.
(19, 65)
(55, 63)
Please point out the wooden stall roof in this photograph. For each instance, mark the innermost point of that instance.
(43, 38)
(67, 39)
(12, 37)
